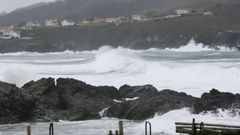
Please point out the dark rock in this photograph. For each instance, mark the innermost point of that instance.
(69, 99)
(76, 86)
(138, 91)
(147, 106)
(39, 88)
(215, 100)
(14, 107)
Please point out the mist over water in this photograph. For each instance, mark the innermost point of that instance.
(193, 69)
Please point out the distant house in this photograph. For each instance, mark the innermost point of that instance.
(111, 20)
(86, 21)
(171, 16)
(67, 23)
(10, 34)
(183, 12)
(52, 23)
(208, 13)
(33, 24)
(99, 20)
(139, 17)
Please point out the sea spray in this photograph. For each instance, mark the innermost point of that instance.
(165, 123)
(18, 76)
(185, 71)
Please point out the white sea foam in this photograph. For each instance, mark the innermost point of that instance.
(192, 46)
(161, 124)
(166, 123)
(191, 72)
(131, 99)
(103, 112)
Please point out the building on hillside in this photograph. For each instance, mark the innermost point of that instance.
(183, 12)
(87, 21)
(208, 13)
(139, 17)
(52, 23)
(9, 34)
(67, 23)
(99, 20)
(111, 20)
(170, 16)
(33, 24)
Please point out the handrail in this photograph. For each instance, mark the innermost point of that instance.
(147, 123)
(51, 129)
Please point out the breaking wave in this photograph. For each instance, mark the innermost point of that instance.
(193, 69)
(185, 70)
(192, 46)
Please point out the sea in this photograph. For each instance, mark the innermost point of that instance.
(193, 68)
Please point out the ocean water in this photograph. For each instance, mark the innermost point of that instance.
(193, 69)
(161, 124)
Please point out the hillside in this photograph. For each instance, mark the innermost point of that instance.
(79, 9)
(222, 28)
(170, 33)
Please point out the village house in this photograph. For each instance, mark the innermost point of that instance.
(183, 12)
(139, 17)
(67, 23)
(207, 13)
(9, 34)
(171, 16)
(87, 21)
(33, 24)
(52, 23)
(99, 20)
(111, 20)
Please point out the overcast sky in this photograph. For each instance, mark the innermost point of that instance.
(9, 5)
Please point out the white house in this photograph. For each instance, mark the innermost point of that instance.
(171, 16)
(183, 12)
(67, 23)
(32, 24)
(51, 23)
(207, 13)
(10, 34)
(139, 17)
(111, 20)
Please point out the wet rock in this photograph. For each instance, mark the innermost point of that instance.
(146, 106)
(69, 99)
(215, 100)
(138, 91)
(14, 107)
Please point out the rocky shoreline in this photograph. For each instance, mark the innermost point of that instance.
(68, 99)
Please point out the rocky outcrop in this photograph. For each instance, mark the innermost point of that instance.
(138, 91)
(153, 102)
(14, 107)
(215, 100)
(68, 99)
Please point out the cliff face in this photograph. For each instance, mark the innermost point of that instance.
(170, 33)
